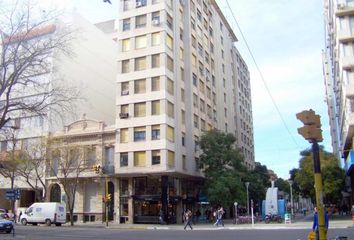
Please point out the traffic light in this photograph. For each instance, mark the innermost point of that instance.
(108, 198)
(96, 168)
(312, 125)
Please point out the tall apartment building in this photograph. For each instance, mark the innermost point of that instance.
(91, 68)
(179, 74)
(338, 69)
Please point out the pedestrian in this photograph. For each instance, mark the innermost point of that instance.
(188, 219)
(315, 222)
(219, 214)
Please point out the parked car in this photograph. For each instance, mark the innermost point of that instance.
(44, 212)
(6, 225)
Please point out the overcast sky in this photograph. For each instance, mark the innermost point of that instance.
(286, 38)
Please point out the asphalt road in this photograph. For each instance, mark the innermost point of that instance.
(77, 233)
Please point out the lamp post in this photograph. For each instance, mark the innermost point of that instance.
(248, 207)
(291, 197)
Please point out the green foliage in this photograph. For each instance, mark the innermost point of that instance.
(332, 176)
(223, 169)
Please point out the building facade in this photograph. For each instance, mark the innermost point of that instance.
(89, 68)
(176, 79)
(338, 66)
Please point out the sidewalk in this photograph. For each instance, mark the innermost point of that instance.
(300, 222)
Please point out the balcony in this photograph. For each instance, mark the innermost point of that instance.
(344, 10)
(348, 63)
(346, 35)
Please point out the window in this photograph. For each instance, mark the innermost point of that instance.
(155, 132)
(224, 82)
(194, 60)
(155, 84)
(183, 139)
(140, 21)
(124, 108)
(155, 39)
(170, 134)
(182, 95)
(195, 100)
(139, 159)
(139, 134)
(194, 42)
(222, 54)
(199, 15)
(126, 24)
(181, 54)
(222, 40)
(202, 106)
(155, 107)
(182, 74)
(195, 80)
(155, 157)
(193, 23)
(140, 64)
(125, 66)
(140, 42)
(169, 86)
(169, 21)
(140, 109)
(202, 125)
(169, 41)
(155, 61)
(170, 110)
(196, 121)
(170, 158)
(124, 88)
(170, 63)
(155, 17)
(126, 5)
(140, 86)
(140, 3)
(123, 159)
(184, 163)
(125, 45)
(183, 116)
(124, 135)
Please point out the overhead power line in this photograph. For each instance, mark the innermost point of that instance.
(261, 75)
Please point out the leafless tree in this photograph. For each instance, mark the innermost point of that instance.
(66, 163)
(30, 40)
(32, 167)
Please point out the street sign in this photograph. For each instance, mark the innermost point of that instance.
(10, 195)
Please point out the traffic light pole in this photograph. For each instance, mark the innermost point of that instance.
(319, 191)
(106, 203)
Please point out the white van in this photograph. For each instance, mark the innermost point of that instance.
(44, 212)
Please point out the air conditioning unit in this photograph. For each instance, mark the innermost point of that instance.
(123, 115)
(138, 4)
(156, 21)
(125, 92)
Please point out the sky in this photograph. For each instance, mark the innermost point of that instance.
(286, 38)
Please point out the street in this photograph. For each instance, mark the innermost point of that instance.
(76, 233)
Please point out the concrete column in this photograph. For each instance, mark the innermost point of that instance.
(130, 202)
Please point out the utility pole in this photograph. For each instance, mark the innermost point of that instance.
(312, 132)
(248, 206)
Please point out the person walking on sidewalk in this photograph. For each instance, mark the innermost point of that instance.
(219, 214)
(188, 219)
(315, 223)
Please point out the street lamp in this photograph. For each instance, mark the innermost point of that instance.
(291, 197)
(248, 207)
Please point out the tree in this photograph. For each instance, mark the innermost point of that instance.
(32, 167)
(223, 168)
(332, 175)
(30, 40)
(66, 163)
